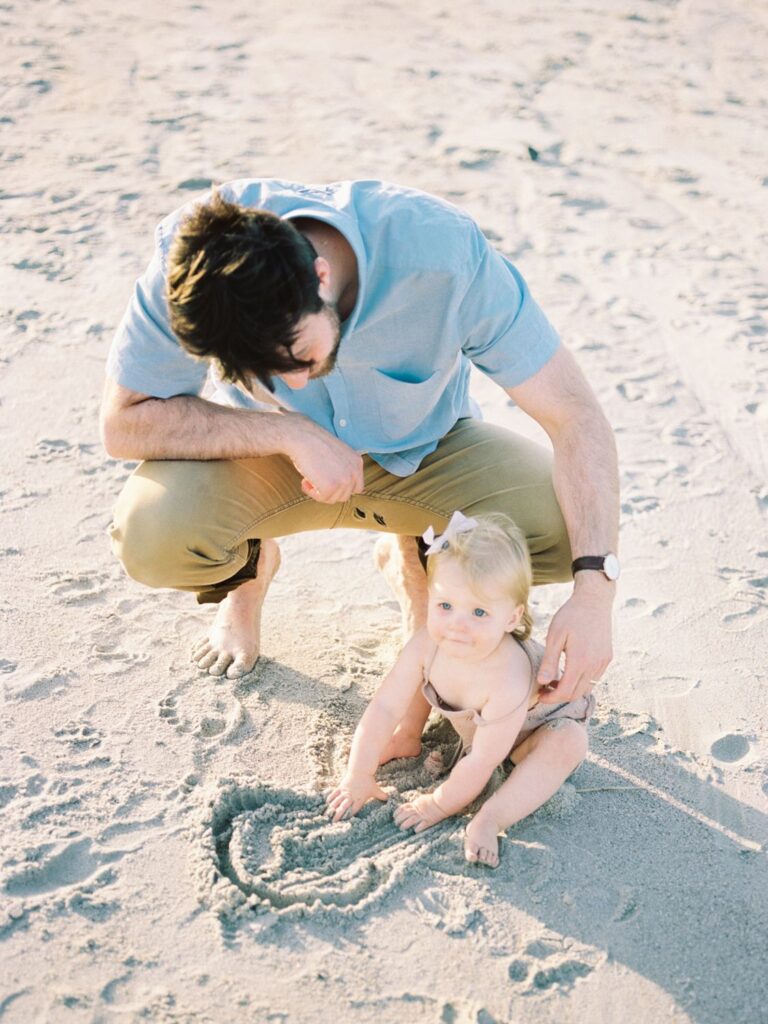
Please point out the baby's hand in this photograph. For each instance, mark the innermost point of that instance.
(419, 814)
(351, 793)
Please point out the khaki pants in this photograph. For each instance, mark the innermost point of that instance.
(196, 526)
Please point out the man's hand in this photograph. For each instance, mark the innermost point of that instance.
(420, 814)
(351, 793)
(581, 630)
(331, 470)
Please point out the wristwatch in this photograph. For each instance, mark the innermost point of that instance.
(608, 565)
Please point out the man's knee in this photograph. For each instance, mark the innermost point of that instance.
(145, 530)
(158, 531)
(498, 471)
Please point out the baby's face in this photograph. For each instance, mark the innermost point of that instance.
(465, 623)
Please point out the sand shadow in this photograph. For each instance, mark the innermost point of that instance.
(635, 859)
(649, 868)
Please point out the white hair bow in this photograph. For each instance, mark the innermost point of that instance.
(459, 523)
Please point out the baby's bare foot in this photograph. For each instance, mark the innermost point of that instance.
(402, 744)
(397, 559)
(481, 842)
(232, 646)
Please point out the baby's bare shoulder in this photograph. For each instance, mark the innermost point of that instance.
(509, 682)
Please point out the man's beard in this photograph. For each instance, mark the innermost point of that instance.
(329, 363)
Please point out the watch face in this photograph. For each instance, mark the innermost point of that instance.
(611, 567)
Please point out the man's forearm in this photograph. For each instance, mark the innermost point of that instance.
(188, 427)
(586, 482)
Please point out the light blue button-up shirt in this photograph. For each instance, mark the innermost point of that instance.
(433, 297)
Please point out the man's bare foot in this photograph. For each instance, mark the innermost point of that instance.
(397, 559)
(232, 646)
(481, 841)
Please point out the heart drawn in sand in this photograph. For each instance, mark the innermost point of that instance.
(275, 850)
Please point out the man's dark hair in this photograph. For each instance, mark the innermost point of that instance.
(239, 282)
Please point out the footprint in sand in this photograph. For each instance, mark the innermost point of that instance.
(274, 851)
(640, 504)
(466, 1013)
(7, 793)
(448, 912)
(78, 737)
(561, 971)
(637, 605)
(742, 612)
(53, 866)
(49, 448)
(37, 684)
(81, 588)
(18, 499)
(730, 748)
(192, 708)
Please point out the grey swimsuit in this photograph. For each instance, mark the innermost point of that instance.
(466, 721)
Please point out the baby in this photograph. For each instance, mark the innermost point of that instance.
(475, 664)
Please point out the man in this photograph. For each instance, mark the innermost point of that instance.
(341, 322)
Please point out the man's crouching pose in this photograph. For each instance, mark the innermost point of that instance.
(339, 324)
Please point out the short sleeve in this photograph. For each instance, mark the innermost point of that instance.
(145, 356)
(506, 334)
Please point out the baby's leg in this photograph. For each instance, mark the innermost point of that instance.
(542, 764)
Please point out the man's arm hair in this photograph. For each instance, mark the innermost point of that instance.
(585, 475)
(138, 426)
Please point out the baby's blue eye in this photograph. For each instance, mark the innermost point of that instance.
(445, 606)
(479, 612)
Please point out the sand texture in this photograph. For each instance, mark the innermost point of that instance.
(163, 855)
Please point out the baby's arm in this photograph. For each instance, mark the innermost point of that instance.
(491, 744)
(386, 709)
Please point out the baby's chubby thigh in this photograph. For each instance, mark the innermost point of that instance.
(564, 742)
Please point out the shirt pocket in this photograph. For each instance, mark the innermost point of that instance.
(404, 405)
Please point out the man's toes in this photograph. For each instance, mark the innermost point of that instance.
(220, 665)
(200, 644)
(204, 661)
(200, 649)
(241, 666)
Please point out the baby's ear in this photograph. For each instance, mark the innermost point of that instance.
(516, 619)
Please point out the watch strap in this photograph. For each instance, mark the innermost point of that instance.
(608, 565)
(596, 562)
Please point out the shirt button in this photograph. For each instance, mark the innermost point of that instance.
(342, 423)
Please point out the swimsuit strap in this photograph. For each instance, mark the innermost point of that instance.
(531, 652)
(534, 652)
(428, 663)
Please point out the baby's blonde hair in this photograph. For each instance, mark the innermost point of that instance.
(495, 550)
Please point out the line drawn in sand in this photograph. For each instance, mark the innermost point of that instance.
(266, 854)
(272, 854)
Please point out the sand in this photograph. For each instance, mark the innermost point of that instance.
(163, 855)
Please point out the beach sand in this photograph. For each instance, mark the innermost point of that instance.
(163, 853)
